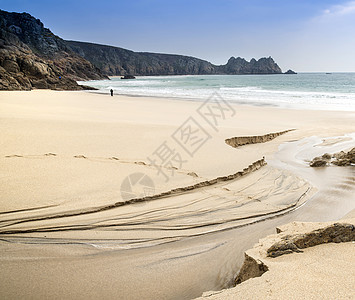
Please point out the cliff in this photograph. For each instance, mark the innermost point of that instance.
(118, 61)
(31, 56)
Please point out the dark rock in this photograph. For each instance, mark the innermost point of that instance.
(344, 159)
(321, 161)
(128, 77)
(290, 72)
(327, 156)
(31, 56)
(339, 155)
(241, 66)
(342, 162)
(318, 162)
(339, 159)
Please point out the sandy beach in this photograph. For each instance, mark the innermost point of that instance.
(143, 197)
(322, 270)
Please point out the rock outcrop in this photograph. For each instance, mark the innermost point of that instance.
(128, 77)
(344, 159)
(320, 161)
(339, 159)
(118, 61)
(241, 66)
(290, 72)
(31, 56)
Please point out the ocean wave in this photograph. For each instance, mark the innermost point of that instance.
(280, 91)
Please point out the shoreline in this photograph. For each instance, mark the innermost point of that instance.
(290, 92)
(241, 103)
(71, 151)
(196, 100)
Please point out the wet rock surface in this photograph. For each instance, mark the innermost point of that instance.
(339, 159)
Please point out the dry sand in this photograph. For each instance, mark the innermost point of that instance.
(67, 231)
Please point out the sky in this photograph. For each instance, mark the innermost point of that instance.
(303, 35)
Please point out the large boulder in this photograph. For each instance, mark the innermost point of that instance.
(318, 162)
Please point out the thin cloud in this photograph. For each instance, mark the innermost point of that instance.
(340, 10)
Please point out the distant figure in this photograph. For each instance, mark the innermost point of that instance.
(111, 91)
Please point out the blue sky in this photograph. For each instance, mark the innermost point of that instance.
(304, 35)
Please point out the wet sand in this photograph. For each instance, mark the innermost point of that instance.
(68, 231)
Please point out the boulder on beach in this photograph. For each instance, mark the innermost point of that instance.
(318, 162)
(339, 159)
(344, 159)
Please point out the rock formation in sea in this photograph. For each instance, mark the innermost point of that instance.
(241, 66)
(31, 56)
(290, 72)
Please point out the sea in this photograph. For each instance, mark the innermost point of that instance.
(318, 91)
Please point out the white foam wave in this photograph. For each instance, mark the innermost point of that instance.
(201, 87)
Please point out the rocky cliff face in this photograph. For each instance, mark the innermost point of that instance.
(31, 56)
(241, 66)
(118, 61)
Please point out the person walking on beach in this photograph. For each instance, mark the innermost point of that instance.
(111, 91)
